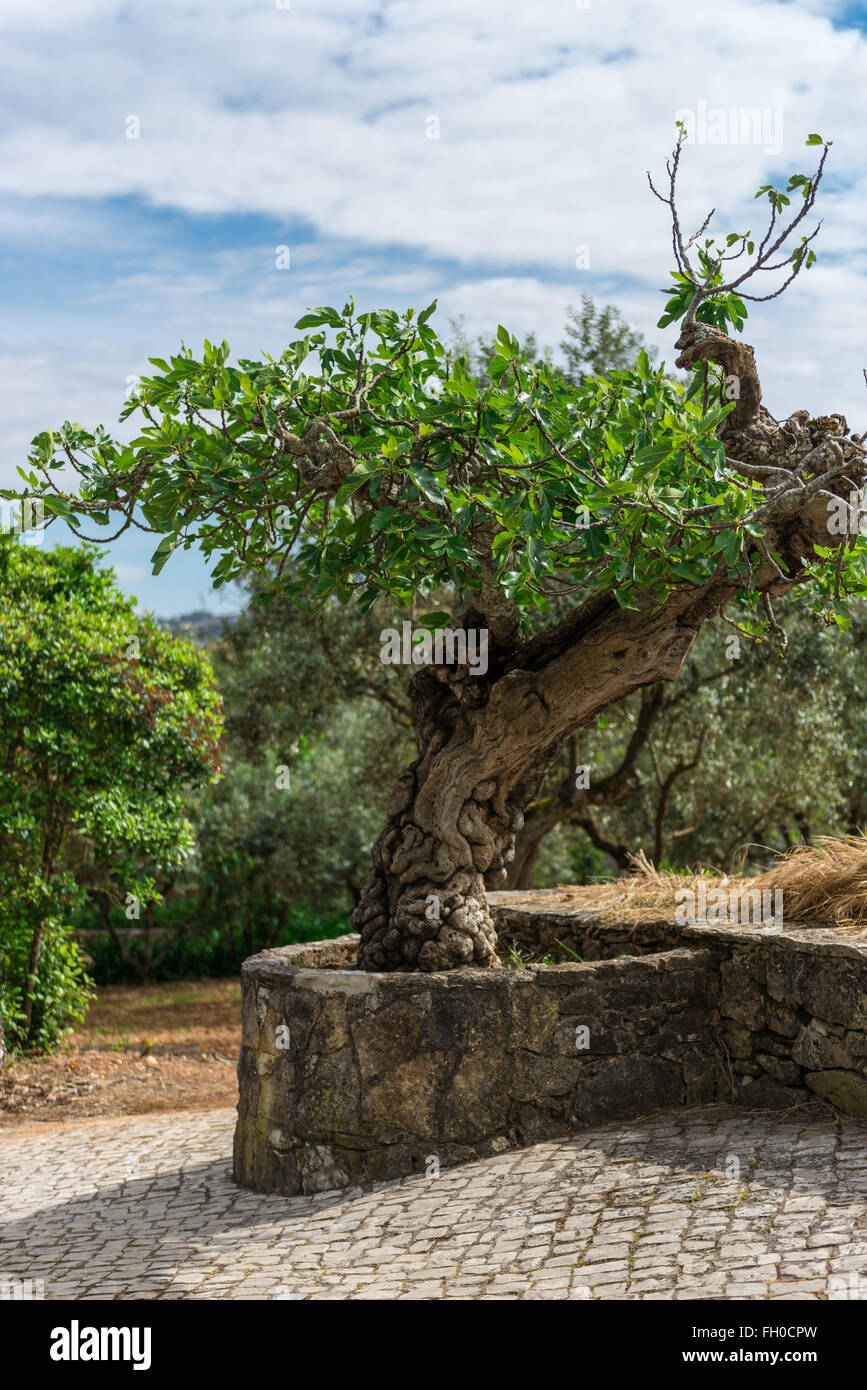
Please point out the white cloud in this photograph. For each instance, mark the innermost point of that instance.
(317, 112)
(315, 116)
(126, 573)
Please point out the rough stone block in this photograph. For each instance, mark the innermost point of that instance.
(627, 1086)
(847, 1090)
(780, 1068)
(742, 998)
(814, 1049)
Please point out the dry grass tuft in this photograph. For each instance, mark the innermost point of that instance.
(824, 884)
(647, 890)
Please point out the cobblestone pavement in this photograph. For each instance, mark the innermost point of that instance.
(715, 1203)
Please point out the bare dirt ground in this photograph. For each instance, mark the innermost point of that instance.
(141, 1050)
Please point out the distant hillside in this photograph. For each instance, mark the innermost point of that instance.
(202, 628)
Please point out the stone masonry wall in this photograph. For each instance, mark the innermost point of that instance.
(793, 1012)
(349, 1077)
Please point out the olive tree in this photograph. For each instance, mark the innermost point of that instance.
(373, 459)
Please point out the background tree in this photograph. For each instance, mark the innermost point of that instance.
(107, 722)
(781, 752)
(387, 472)
(315, 734)
(598, 341)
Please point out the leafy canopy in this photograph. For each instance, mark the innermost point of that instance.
(107, 722)
(373, 458)
(618, 483)
(107, 719)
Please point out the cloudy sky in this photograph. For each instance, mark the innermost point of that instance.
(402, 150)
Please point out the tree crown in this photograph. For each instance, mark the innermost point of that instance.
(370, 455)
(107, 719)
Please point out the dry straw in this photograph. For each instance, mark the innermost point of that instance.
(823, 884)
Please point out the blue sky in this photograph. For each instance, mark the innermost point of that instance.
(306, 124)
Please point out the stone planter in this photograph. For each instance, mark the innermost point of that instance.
(348, 1077)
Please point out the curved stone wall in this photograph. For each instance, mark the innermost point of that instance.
(348, 1077)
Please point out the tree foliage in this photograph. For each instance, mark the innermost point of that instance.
(108, 722)
(374, 457)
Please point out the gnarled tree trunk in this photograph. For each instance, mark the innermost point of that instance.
(487, 741)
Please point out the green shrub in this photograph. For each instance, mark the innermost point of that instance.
(61, 991)
(108, 723)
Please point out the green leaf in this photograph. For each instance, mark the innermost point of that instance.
(427, 483)
(164, 550)
(361, 475)
(537, 555)
(496, 367)
(433, 621)
(729, 544)
(367, 598)
(315, 318)
(383, 517)
(426, 533)
(44, 445)
(653, 453)
(58, 507)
